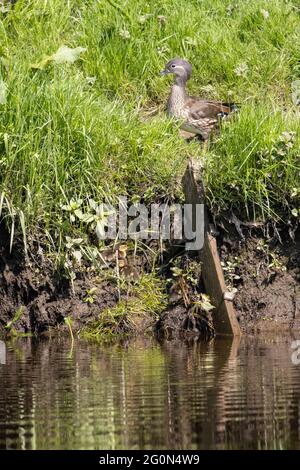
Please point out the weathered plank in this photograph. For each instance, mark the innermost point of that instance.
(224, 317)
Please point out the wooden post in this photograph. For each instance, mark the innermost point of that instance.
(224, 317)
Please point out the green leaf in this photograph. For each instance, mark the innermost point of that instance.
(78, 213)
(93, 204)
(206, 304)
(100, 232)
(68, 55)
(42, 64)
(75, 204)
(77, 255)
(64, 55)
(91, 291)
(88, 218)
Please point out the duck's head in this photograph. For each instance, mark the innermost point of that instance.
(179, 67)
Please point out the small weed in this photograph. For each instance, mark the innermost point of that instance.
(90, 295)
(230, 268)
(145, 298)
(272, 259)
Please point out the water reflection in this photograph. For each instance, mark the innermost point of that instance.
(220, 395)
(2, 352)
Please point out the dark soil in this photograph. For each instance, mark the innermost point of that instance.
(42, 297)
(265, 270)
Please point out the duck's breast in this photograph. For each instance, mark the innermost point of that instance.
(176, 102)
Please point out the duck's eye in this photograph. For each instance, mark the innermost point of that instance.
(173, 66)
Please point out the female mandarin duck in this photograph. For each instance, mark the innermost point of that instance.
(199, 116)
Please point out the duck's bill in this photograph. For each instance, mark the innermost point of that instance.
(164, 72)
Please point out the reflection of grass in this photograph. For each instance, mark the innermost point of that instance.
(68, 322)
(12, 332)
(146, 299)
(72, 131)
(19, 312)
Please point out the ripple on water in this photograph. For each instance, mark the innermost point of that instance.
(221, 395)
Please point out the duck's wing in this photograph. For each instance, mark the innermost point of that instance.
(204, 115)
(209, 109)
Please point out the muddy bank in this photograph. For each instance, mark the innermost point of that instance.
(35, 297)
(118, 297)
(36, 301)
(262, 271)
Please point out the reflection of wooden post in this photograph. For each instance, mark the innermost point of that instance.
(2, 352)
(224, 317)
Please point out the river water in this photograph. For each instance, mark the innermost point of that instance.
(240, 394)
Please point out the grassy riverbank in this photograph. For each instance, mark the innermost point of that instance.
(82, 122)
(78, 131)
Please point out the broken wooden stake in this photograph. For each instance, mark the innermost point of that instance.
(224, 317)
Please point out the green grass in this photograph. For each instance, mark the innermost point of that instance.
(62, 137)
(127, 316)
